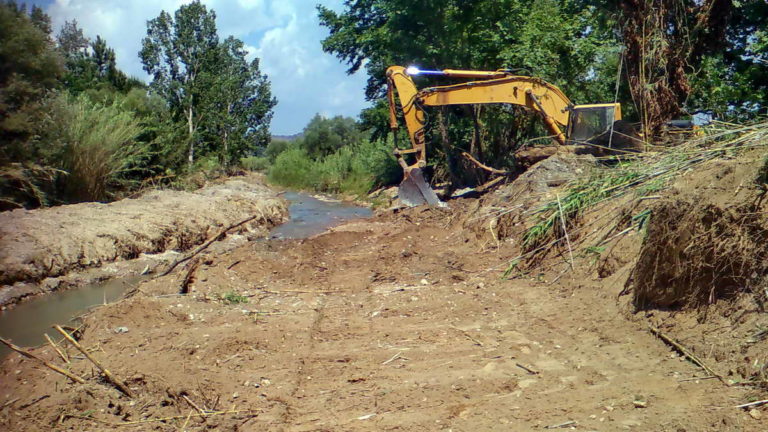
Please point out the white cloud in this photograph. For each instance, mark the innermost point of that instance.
(284, 34)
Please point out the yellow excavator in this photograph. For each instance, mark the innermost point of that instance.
(566, 122)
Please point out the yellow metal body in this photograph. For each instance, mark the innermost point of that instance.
(491, 87)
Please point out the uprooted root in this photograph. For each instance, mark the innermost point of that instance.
(696, 254)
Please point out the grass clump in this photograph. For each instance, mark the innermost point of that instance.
(233, 297)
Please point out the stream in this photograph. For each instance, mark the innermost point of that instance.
(26, 323)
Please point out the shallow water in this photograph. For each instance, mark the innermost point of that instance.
(26, 323)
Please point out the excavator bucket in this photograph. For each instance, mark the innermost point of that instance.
(415, 191)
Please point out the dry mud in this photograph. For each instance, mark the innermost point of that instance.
(50, 243)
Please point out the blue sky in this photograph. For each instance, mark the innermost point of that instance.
(284, 34)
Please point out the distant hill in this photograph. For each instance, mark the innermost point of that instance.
(288, 137)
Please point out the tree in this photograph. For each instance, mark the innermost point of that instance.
(240, 102)
(29, 68)
(72, 41)
(561, 41)
(176, 52)
(323, 136)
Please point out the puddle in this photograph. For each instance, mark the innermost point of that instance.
(25, 323)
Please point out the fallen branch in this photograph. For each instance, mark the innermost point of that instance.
(752, 404)
(561, 425)
(393, 358)
(50, 366)
(487, 185)
(527, 369)
(189, 277)
(565, 231)
(468, 336)
(210, 241)
(686, 352)
(485, 167)
(111, 378)
(56, 348)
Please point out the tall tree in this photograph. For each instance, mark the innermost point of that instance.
(72, 41)
(240, 101)
(29, 67)
(176, 52)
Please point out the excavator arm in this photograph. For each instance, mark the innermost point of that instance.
(489, 87)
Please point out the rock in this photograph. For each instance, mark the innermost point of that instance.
(119, 330)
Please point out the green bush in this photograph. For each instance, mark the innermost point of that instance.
(294, 169)
(354, 169)
(275, 147)
(95, 144)
(255, 163)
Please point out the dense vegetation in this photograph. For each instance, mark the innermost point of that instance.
(662, 59)
(73, 127)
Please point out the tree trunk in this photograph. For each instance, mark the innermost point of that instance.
(449, 156)
(191, 129)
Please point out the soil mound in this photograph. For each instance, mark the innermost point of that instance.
(35, 244)
(708, 241)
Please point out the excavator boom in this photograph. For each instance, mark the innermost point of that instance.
(501, 87)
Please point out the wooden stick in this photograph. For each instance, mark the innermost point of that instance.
(111, 378)
(469, 336)
(194, 405)
(205, 245)
(751, 404)
(56, 348)
(485, 167)
(50, 366)
(687, 353)
(527, 369)
(190, 276)
(485, 186)
(393, 358)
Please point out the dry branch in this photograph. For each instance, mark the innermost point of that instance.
(50, 366)
(111, 378)
(209, 242)
(485, 167)
(686, 352)
(56, 348)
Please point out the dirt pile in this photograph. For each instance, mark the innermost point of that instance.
(707, 241)
(35, 244)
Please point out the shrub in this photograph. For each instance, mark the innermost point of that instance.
(95, 144)
(254, 163)
(294, 169)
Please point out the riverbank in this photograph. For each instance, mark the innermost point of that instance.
(41, 250)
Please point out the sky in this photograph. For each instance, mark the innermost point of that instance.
(284, 34)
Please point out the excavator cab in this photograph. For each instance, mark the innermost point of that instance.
(588, 121)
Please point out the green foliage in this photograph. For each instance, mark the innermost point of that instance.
(255, 163)
(29, 67)
(275, 147)
(324, 136)
(223, 100)
(233, 297)
(95, 144)
(354, 169)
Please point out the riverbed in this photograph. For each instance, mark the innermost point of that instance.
(26, 323)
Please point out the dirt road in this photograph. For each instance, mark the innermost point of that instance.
(401, 322)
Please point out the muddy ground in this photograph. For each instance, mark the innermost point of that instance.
(400, 322)
(40, 249)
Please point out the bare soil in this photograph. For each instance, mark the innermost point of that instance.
(400, 322)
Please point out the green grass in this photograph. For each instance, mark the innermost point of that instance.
(234, 298)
